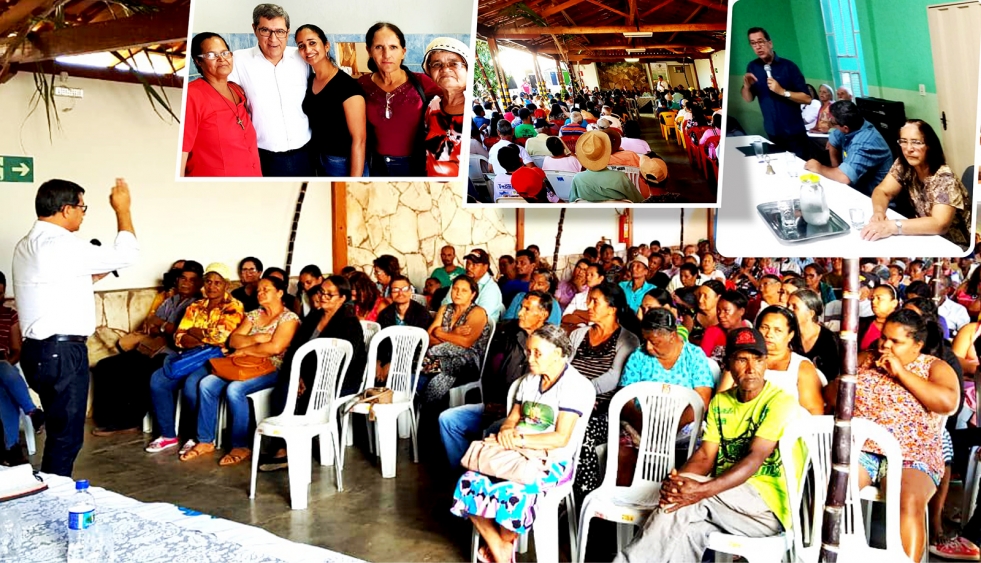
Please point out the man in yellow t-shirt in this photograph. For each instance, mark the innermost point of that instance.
(734, 483)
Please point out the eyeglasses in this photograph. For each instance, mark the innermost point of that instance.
(248, 270)
(266, 32)
(914, 143)
(84, 208)
(211, 55)
(327, 295)
(400, 289)
(759, 43)
(453, 65)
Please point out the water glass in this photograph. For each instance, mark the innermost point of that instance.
(103, 545)
(788, 218)
(790, 160)
(857, 217)
(759, 149)
(11, 533)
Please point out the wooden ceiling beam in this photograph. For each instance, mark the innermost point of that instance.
(605, 7)
(143, 30)
(18, 14)
(657, 46)
(688, 19)
(519, 32)
(108, 73)
(500, 6)
(586, 59)
(559, 7)
(655, 8)
(711, 5)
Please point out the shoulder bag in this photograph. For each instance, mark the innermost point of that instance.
(190, 360)
(521, 465)
(241, 368)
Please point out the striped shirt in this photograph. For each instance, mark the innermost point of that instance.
(593, 362)
(8, 317)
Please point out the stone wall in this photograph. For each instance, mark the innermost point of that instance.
(414, 220)
(622, 75)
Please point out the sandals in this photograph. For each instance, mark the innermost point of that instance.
(236, 456)
(484, 554)
(197, 451)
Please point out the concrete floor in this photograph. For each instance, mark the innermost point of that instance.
(683, 178)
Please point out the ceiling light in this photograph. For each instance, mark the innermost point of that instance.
(638, 33)
(635, 50)
(631, 60)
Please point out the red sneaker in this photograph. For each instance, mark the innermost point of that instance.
(956, 548)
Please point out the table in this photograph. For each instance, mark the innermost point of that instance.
(642, 102)
(151, 532)
(742, 232)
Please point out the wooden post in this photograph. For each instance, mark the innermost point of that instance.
(519, 228)
(558, 240)
(710, 229)
(490, 87)
(629, 218)
(938, 274)
(538, 74)
(682, 239)
(502, 81)
(338, 212)
(296, 224)
(842, 439)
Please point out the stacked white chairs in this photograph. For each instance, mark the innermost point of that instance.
(320, 420)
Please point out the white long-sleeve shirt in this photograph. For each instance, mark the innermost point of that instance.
(52, 278)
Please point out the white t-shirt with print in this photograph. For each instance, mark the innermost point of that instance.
(540, 410)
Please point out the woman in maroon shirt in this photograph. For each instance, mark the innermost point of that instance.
(396, 105)
(219, 139)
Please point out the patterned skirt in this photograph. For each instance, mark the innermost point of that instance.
(510, 504)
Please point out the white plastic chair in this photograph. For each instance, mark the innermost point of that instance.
(26, 423)
(546, 526)
(333, 358)
(477, 172)
(409, 345)
(716, 370)
(368, 330)
(458, 395)
(632, 172)
(662, 406)
(561, 183)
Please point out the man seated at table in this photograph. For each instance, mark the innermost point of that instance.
(506, 134)
(860, 157)
(734, 482)
(597, 183)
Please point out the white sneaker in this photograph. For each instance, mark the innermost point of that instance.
(161, 444)
(187, 447)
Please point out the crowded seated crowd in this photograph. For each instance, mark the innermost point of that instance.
(279, 110)
(756, 340)
(587, 148)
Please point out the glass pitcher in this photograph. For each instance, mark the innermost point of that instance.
(813, 205)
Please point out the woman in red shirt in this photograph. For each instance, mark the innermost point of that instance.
(446, 63)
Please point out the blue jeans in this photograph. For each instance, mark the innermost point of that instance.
(290, 163)
(458, 427)
(14, 397)
(337, 166)
(163, 394)
(236, 397)
(395, 166)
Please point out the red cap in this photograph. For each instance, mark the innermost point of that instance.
(527, 181)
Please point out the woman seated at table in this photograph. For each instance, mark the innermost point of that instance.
(663, 357)
(938, 196)
(730, 310)
(503, 510)
(264, 333)
(826, 96)
(906, 389)
(367, 300)
(809, 112)
(561, 160)
(884, 302)
(818, 344)
(599, 353)
(335, 104)
(785, 366)
(219, 139)
(457, 340)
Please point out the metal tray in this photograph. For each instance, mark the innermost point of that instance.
(836, 226)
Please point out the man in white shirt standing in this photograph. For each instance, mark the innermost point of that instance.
(53, 273)
(662, 85)
(274, 78)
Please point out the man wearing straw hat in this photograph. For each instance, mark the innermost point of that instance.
(596, 183)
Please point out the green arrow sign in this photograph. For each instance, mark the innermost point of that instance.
(17, 169)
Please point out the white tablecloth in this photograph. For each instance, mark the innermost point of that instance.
(742, 232)
(151, 532)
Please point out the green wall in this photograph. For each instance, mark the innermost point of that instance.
(890, 31)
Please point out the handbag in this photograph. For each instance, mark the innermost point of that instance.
(241, 368)
(521, 465)
(191, 360)
(151, 345)
(371, 396)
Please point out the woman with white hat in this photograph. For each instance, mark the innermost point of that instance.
(445, 62)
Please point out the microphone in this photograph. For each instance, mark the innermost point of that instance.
(97, 242)
(768, 70)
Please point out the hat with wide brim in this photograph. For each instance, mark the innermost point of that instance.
(593, 150)
(445, 44)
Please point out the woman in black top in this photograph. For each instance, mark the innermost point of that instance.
(818, 344)
(335, 105)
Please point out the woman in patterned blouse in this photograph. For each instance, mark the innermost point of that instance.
(940, 199)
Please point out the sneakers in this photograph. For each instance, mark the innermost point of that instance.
(956, 548)
(161, 444)
(188, 445)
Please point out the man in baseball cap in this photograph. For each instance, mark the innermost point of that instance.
(734, 483)
(637, 286)
(489, 294)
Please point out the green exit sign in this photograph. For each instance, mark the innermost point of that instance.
(17, 169)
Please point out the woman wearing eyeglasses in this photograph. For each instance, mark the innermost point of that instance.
(397, 100)
(219, 139)
(938, 196)
(445, 62)
(335, 105)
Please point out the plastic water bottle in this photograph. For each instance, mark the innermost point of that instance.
(81, 518)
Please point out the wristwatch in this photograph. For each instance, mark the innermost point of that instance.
(899, 226)
(786, 93)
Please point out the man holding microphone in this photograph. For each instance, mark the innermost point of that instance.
(781, 89)
(53, 273)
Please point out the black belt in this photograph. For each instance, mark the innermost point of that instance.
(62, 338)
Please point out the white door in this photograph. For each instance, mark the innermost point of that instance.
(955, 37)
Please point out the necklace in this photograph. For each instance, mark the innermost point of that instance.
(232, 107)
(329, 76)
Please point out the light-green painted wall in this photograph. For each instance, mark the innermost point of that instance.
(890, 32)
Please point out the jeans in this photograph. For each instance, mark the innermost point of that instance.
(59, 373)
(394, 166)
(236, 397)
(458, 427)
(290, 163)
(336, 166)
(14, 397)
(162, 394)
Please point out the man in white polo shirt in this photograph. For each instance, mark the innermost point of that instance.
(274, 78)
(53, 273)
